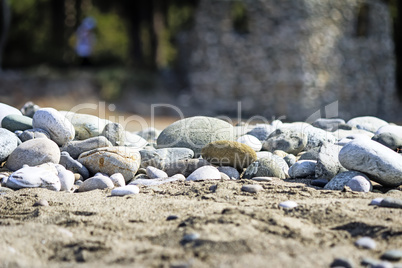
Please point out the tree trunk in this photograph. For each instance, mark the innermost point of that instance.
(5, 25)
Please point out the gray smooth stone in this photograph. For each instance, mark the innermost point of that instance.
(114, 132)
(376, 201)
(34, 152)
(194, 133)
(392, 255)
(290, 159)
(230, 171)
(159, 158)
(185, 167)
(251, 188)
(261, 131)
(265, 167)
(96, 182)
(263, 179)
(75, 148)
(86, 126)
(389, 140)
(125, 190)
(394, 129)
(66, 178)
(35, 133)
(319, 182)
(153, 182)
(342, 179)
(382, 164)
(73, 165)
(285, 139)
(315, 136)
(251, 141)
(288, 204)
(8, 143)
(155, 173)
(359, 184)
(391, 202)
(328, 165)
(369, 123)
(14, 122)
(330, 124)
(7, 110)
(302, 169)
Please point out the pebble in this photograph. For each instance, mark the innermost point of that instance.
(8, 143)
(41, 203)
(251, 141)
(205, 173)
(319, 182)
(288, 204)
(369, 123)
(302, 169)
(59, 128)
(383, 264)
(280, 153)
(134, 141)
(96, 182)
(288, 140)
(76, 148)
(160, 158)
(290, 159)
(251, 188)
(185, 167)
(359, 184)
(389, 140)
(7, 110)
(29, 109)
(66, 178)
(150, 134)
(229, 153)
(328, 124)
(114, 132)
(376, 201)
(328, 165)
(263, 179)
(34, 152)
(342, 179)
(316, 137)
(14, 122)
(366, 242)
(73, 165)
(172, 217)
(261, 131)
(86, 126)
(394, 129)
(35, 133)
(349, 138)
(180, 177)
(118, 179)
(224, 176)
(34, 177)
(194, 133)
(392, 255)
(190, 237)
(381, 163)
(110, 160)
(265, 167)
(154, 173)
(125, 190)
(391, 202)
(341, 262)
(230, 171)
(153, 182)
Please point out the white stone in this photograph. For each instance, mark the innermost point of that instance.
(262, 179)
(359, 184)
(7, 110)
(366, 242)
(66, 178)
(205, 173)
(33, 177)
(288, 204)
(179, 176)
(133, 140)
(125, 190)
(341, 180)
(376, 201)
(251, 141)
(153, 182)
(302, 168)
(396, 130)
(251, 188)
(154, 173)
(118, 179)
(96, 182)
(369, 123)
(86, 126)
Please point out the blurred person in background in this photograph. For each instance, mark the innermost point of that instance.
(85, 40)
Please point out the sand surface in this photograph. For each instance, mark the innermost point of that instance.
(235, 228)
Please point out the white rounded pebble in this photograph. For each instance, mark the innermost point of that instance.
(251, 188)
(66, 177)
(288, 204)
(154, 173)
(205, 173)
(179, 176)
(261, 178)
(251, 141)
(118, 179)
(376, 201)
(359, 184)
(96, 182)
(125, 190)
(366, 242)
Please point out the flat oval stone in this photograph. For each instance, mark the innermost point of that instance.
(154, 173)
(14, 122)
(302, 169)
(376, 201)
(35, 133)
(315, 136)
(185, 167)
(396, 130)
(251, 188)
(285, 139)
(369, 123)
(133, 140)
(382, 164)
(194, 133)
(263, 179)
(392, 255)
(391, 202)
(34, 177)
(59, 128)
(86, 126)
(230, 171)
(7, 110)
(330, 124)
(288, 204)
(251, 141)
(366, 242)
(341, 263)
(96, 182)
(8, 143)
(125, 190)
(75, 148)
(154, 182)
(33, 152)
(41, 203)
(229, 153)
(112, 160)
(205, 173)
(118, 180)
(341, 180)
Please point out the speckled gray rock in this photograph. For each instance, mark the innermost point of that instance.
(290, 159)
(110, 160)
(251, 188)
(340, 180)
(369, 123)
(194, 133)
(330, 124)
(155, 173)
(389, 140)
(114, 132)
(185, 167)
(382, 164)
(29, 109)
(285, 139)
(125, 190)
(34, 177)
(96, 182)
(8, 143)
(66, 178)
(359, 184)
(34, 152)
(59, 128)
(205, 173)
(7, 110)
(35, 133)
(328, 164)
(75, 148)
(302, 169)
(86, 126)
(251, 141)
(230, 171)
(261, 131)
(73, 165)
(315, 136)
(265, 167)
(161, 157)
(14, 122)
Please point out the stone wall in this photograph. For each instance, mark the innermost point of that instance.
(297, 57)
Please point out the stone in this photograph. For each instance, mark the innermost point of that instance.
(96, 182)
(379, 162)
(369, 123)
(369, 262)
(66, 178)
(316, 137)
(185, 167)
(251, 188)
(29, 109)
(41, 203)
(172, 217)
(280, 153)
(341, 263)
(229, 153)
(263, 154)
(154, 182)
(125, 190)
(319, 182)
(288, 204)
(118, 179)
(33, 152)
(14, 122)
(251, 141)
(224, 176)
(75, 148)
(392, 255)
(342, 179)
(110, 160)
(389, 140)
(391, 202)
(263, 179)
(154, 173)
(7, 110)
(194, 133)
(265, 167)
(359, 184)
(366, 242)
(114, 132)
(86, 126)
(73, 165)
(34, 177)
(134, 141)
(230, 171)
(59, 128)
(302, 169)
(376, 201)
(35, 133)
(180, 177)
(290, 159)
(187, 238)
(328, 165)
(331, 124)
(8, 143)
(150, 134)
(340, 133)
(159, 158)
(311, 154)
(261, 131)
(384, 264)
(205, 173)
(394, 129)
(285, 139)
